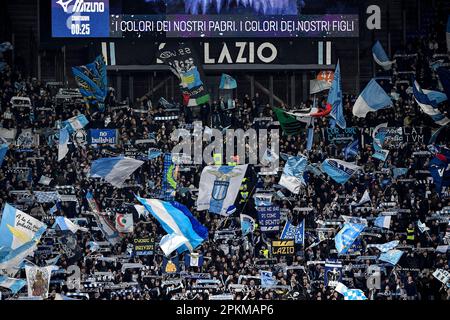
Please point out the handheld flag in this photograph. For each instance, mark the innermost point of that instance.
(248, 224)
(289, 124)
(294, 232)
(348, 234)
(340, 171)
(18, 228)
(115, 170)
(227, 82)
(292, 177)
(175, 221)
(380, 56)
(373, 98)
(15, 285)
(392, 256)
(351, 150)
(75, 123)
(63, 147)
(428, 106)
(92, 81)
(383, 222)
(335, 99)
(350, 294)
(65, 224)
(219, 187)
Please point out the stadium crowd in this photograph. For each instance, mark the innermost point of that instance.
(233, 259)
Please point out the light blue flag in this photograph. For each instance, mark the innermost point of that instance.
(227, 82)
(15, 285)
(248, 224)
(350, 294)
(18, 228)
(75, 123)
(380, 56)
(153, 153)
(373, 98)
(383, 222)
(348, 234)
(292, 177)
(386, 246)
(267, 280)
(10, 259)
(392, 256)
(3, 149)
(115, 170)
(63, 145)
(173, 221)
(351, 150)
(294, 232)
(435, 97)
(340, 171)
(335, 99)
(428, 106)
(397, 172)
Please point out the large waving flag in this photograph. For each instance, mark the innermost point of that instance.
(171, 242)
(227, 82)
(63, 146)
(289, 123)
(335, 99)
(65, 224)
(348, 234)
(3, 149)
(380, 56)
(373, 98)
(10, 259)
(175, 221)
(428, 106)
(75, 123)
(15, 285)
(392, 256)
(350, 294)
(18, 228)
(292, 177)
(340, 171)
(115, 170)
(92, 81)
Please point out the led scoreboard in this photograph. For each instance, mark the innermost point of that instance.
(199, 18)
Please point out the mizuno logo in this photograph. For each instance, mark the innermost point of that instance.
(80, 6)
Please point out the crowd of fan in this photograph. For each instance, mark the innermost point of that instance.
(227, 260)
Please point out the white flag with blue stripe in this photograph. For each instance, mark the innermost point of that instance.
(11, 259)
(63, 146)
(18, 228)
(115, 170)
(175, 221)
(373, 98)
(430, 107)
(65, 224)
(75, 123)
